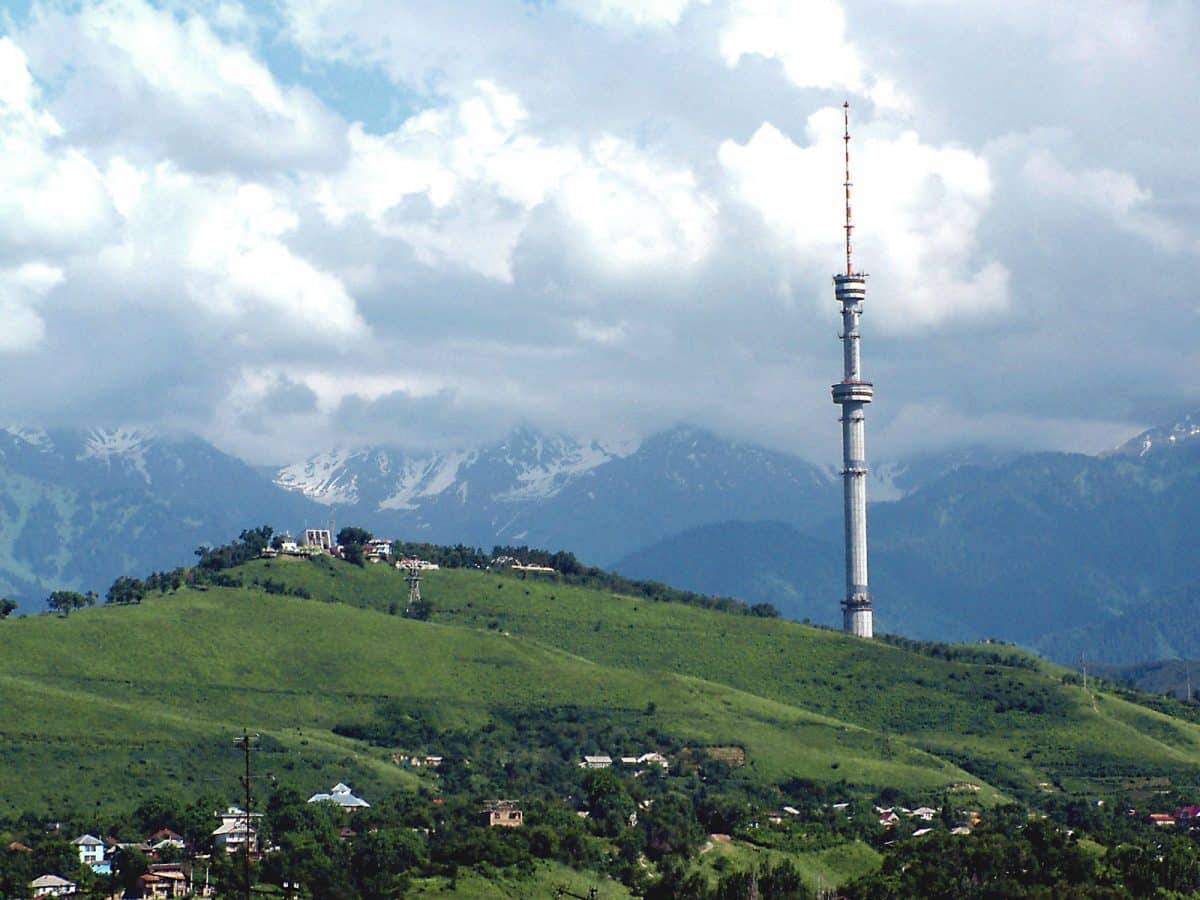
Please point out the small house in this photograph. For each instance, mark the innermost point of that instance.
(502, 814)
(164, 838)
(237, 830)
(596, 762)
(654, 759)
(162, 886)
(1161, 820)
(91, 853)
(52, 886)
(342, 796)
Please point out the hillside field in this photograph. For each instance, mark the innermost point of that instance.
(113, 704)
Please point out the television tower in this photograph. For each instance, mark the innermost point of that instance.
(852, 394)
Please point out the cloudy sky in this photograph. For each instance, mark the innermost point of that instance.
(295, 225)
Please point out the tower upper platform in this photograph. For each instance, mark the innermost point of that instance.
(850, 288)
(853, 392)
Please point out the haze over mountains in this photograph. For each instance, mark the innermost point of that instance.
(1062, 552)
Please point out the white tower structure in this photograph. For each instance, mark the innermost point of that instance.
(852, 394)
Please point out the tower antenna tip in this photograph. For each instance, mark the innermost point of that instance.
(849, 226)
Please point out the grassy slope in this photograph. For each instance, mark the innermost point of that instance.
(541, 886)
(820, 869)
(967, 713)
(140, 697)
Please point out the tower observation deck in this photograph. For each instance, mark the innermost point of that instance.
(853, 393)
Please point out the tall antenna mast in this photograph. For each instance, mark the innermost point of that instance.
(849, 225)
(853, 393)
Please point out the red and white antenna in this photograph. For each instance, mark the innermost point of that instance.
(849, 226)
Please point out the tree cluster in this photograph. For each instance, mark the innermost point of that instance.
(1020, 857)
(249, 545)
(65, 601)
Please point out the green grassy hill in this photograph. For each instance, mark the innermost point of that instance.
(1023, 730)
(113, 704)
(114, 700)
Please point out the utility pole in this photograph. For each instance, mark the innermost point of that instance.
(248, 743)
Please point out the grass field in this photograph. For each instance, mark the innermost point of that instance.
(821, 869)
(542, 886)
(1015, 728)
(115, 702)
(120, 701)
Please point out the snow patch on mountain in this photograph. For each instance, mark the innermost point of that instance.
(426, 477)
(547, 478)
(324, 478)
(881, 482)
(125, 445)
(1164, 437)
(34, 437)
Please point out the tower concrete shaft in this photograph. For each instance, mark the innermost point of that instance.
(853, 393)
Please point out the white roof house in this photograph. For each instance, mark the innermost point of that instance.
(342, 796)
(52, 886)
(596, 762)
(656, 759)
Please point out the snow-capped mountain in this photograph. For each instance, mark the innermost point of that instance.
(80, 507)
(1184, 433)
(524, 467)
(597, 498)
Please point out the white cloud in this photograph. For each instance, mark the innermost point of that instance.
(458, 184)
(809, 40)
(636, 12)
(51, 195)
(206, 101)
(21, 289)
(1101, 191)
(226, 243)
(555, 217)
(600, 332)
(917, 209)
(922, 426)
